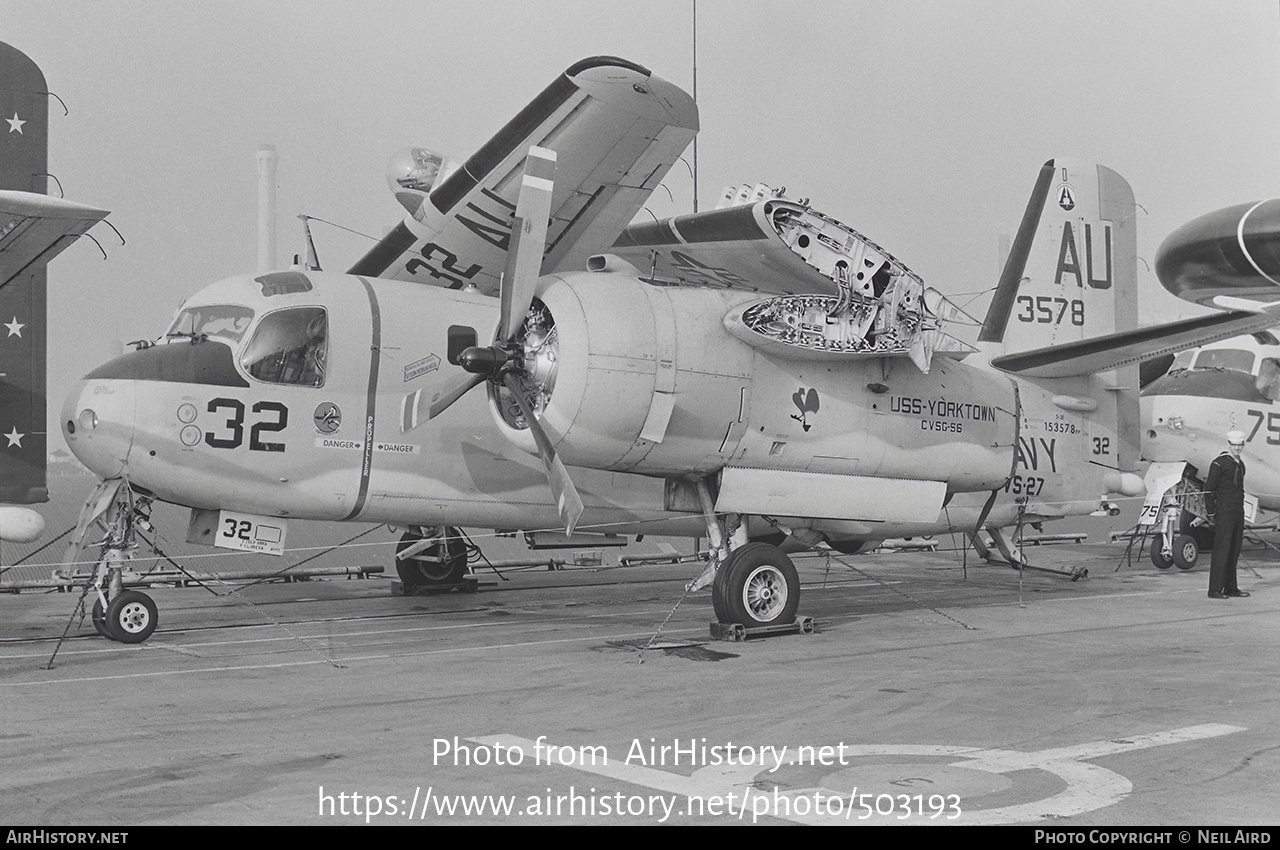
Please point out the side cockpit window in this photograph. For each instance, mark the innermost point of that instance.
(226, 322)
(289, 347)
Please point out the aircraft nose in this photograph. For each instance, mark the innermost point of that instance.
(98, 424)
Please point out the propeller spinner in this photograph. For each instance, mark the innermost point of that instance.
(503, 363)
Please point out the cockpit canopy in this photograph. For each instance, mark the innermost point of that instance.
(227, 322)
(286, 346)
(1257, 357)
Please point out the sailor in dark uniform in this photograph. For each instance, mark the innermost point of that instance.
(1224, 498)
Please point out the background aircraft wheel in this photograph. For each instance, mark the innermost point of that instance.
(440, 565)
(131, 617)
(757, 585)
(1185, 552)
(100, 619)
(1157, 557)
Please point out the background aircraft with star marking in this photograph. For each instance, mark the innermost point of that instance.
(34, 228)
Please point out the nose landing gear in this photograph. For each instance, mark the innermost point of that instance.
(127, 616)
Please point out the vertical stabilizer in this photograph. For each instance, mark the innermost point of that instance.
(1071, 273)
(1072, 276)
(24, 108)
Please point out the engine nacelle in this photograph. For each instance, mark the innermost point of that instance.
(630, 376)
(413, 172)
(607, 374)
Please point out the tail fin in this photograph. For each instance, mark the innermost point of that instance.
(24, 152)
(1070, 281)
(1072, 271)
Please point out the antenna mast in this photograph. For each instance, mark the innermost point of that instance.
(695, 100)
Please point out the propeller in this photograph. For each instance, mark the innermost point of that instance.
(502, 363)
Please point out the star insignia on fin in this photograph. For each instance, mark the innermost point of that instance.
(14, 438)
(15, 124)
(15, 327)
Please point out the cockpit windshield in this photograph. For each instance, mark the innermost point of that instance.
(226, 322)
(1230, 359)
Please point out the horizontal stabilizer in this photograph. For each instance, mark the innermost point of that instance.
(1087, 357)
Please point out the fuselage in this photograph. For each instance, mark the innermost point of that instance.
(282, 395)
(1230, 385)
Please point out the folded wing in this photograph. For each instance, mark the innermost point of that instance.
(617, 129)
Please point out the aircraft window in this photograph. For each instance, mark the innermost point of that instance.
(1268, 380)
(1183, 360)
(219, 321)
(283, 283)
(289, 347)
(461, 338)
(1231, 359)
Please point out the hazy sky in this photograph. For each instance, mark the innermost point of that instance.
(921, 124)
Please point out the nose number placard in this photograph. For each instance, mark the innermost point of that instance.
(250, 533)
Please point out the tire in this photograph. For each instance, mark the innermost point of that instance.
(1157, 557)
(756, 586)
(100, 619)
(440, 566)
(131, 617)
(1185, 552)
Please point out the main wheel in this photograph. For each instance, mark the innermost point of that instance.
(757, 585)
(100, 619)
(1185, 552)
(131, 617)
(1157, 557)
(439, 565)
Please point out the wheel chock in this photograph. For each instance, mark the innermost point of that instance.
(736, 632)
(470, 584)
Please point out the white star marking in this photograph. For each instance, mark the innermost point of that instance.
(15, 123)
(15, 327)
(14, 438)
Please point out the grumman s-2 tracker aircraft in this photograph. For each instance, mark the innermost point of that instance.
(1227, 258)
(759, 374)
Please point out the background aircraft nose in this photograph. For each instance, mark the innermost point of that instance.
(98, 423)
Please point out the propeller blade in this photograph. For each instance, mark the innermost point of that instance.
(568, 503)
(423, 405)
(528, 239)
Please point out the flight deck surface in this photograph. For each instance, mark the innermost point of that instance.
(932, 692)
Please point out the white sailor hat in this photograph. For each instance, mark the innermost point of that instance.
(1235, 438)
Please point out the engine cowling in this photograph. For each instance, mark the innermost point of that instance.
(600, 357)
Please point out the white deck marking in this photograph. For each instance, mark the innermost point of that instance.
(1089, 787)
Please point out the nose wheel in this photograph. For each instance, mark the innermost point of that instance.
(129, 617)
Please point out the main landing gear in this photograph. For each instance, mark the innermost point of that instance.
(128, 616)
(754, 585)
(433, 560)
